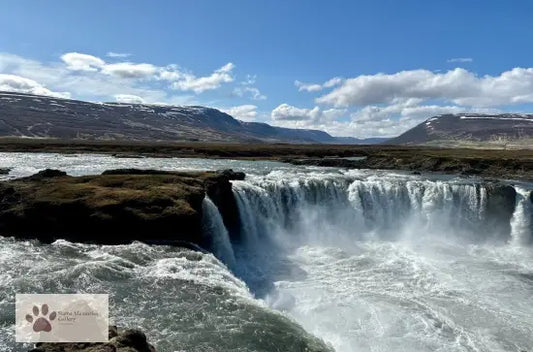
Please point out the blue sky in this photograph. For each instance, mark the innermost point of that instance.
(353, 68)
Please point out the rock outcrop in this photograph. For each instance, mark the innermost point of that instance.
(128, 340)
(501, 201)
(219, 190)
(118, 206)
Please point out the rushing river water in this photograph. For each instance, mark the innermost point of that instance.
(325, 259)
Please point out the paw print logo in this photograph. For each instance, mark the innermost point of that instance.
(41, 323)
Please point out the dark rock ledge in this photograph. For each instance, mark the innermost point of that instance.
(119, 341)
(119, 206)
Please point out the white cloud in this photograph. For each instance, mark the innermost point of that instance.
(13, 83)
(242, 112)
(130, 70)
(87, 77)
(82, 62)
(201, 84)
(460, 59)
(246, 88)
(119, 55)
(129, 99)
(332, 82)
(308, 87)
(369, 121)
(286, 112)
(255, 93)
(458, 86)
(315, 87)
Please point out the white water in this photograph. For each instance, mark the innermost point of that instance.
(213, 226)
(390, 262)
(365, 260)
(521, 227)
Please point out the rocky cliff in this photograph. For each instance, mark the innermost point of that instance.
(118, 206)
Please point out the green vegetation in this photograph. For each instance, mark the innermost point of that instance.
(110, 208)
(515, 163)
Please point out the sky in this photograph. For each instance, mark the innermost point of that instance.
(352, 68)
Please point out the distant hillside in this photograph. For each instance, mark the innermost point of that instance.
(463, 130)
(31, 116)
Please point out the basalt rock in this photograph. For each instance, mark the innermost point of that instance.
(219, 189)
(118, 206)
(501, 199)
(231, 175)
(47, 173)
(119, 341)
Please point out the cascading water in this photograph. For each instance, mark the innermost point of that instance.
(340, 209)
(364, 260)
(214, 229)
(521, 225)
(391, 262)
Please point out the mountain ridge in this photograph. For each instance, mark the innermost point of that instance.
(471, 129)
(34, 116)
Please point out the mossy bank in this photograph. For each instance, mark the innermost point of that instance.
(116, 207)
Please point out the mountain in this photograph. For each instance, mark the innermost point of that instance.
(456, 130)
(33, 116)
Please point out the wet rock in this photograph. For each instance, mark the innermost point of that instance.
(219, 189)
(134, 339)
(120, 341)
(4, 170)
(47, 173)
(501, 202)
(232, 175)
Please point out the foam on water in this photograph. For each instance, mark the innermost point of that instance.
(365, 260)
(183, 300)
(389, 262)
(215, 231)
(521, 232)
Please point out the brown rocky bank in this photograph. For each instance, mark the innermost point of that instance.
(116, 207)
(127, 340)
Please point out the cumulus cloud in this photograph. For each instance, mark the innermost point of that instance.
(119, 55)
(315, 87)
(369, 121)
(129, 99)
(242, 112)
(82, 62)
(92, 86)
(130, 70)
(460, 59)
(458, 86)
(90, 78)
(189, 81)
(13, 83)
(308, 87)
(286, 112)
(177, 78)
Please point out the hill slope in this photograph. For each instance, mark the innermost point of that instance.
(514, 130)
(24, 115)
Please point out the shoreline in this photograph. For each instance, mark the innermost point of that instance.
(493, 163)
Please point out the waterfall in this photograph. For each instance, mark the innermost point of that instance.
(521, 232)
(332, 209)
(216, 232)
(280, 214)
